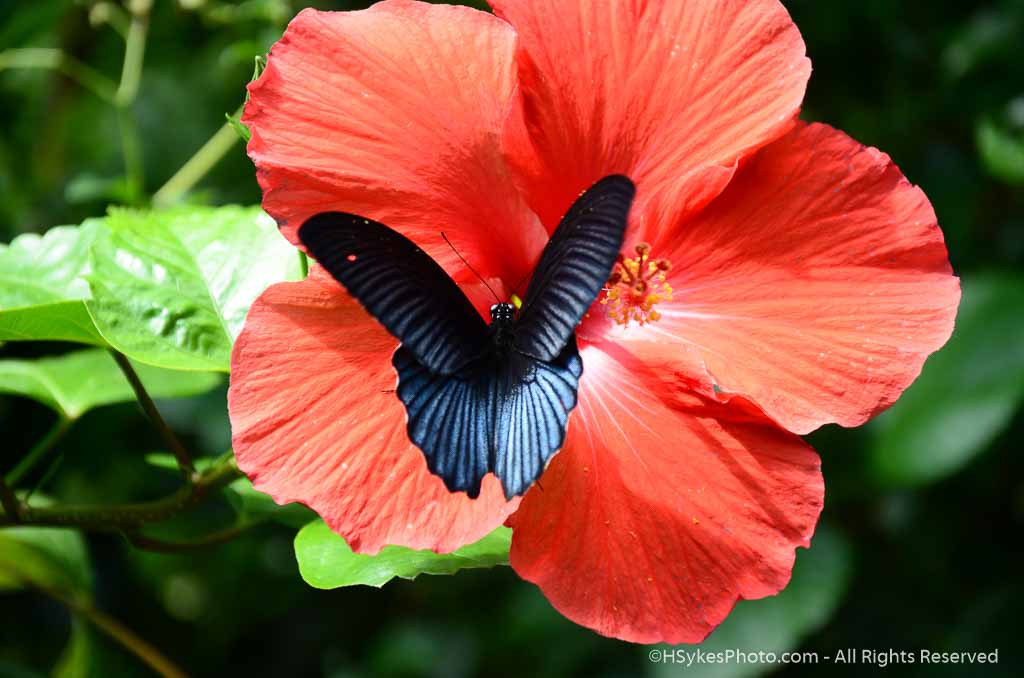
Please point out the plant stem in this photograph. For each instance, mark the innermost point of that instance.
(212, 539)
(11, 506)
(116, 631)
(197, 166)
(134, 53)
(37, 453)
(124, 97)
(129, 517)
(49, 473)
(185, 464)
(131, 151)
(125, 637)
(115, 16)
(57, 60)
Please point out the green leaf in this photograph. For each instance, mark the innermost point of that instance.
(53, 558)
(779, 623)
(172, 288)
(251, 504)
(42, 290)
(74, 383)
(326, 561)
(967, 393)
(1002, 153)
(79, 656)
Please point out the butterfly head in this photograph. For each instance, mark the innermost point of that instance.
(503, 313)
(503, 318)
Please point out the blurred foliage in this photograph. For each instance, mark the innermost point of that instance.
(934, 429)
(920, 544)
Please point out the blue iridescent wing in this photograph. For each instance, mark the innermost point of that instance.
(505, 414)
(449, 419)
(574, 267)
(530, 421)
(401, 286)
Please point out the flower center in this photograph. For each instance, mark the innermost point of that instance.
(635, 286)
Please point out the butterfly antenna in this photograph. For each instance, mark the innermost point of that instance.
(489, 289)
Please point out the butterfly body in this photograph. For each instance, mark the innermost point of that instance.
(503, 318)
(481, 397)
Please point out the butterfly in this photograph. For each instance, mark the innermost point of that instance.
(481, 397)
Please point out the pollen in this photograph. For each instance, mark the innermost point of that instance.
(636, 286)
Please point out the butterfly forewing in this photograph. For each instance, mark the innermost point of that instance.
(401, 286)
(574, 267)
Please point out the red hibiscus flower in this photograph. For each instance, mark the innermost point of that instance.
(791, 278)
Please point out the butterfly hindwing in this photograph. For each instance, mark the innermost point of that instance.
(401, 286)
(531, 420)
(449, 419)
(574, 267)
(507, 415)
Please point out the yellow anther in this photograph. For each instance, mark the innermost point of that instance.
(635, 286)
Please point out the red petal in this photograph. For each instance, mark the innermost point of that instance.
(669, 92)
(816, 285)
(314, 419)
(658, 515)
(395, 113)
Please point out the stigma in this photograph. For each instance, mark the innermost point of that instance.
(635, 286)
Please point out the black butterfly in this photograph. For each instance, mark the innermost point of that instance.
(481, 398)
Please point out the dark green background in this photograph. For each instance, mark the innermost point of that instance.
(935, 557)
